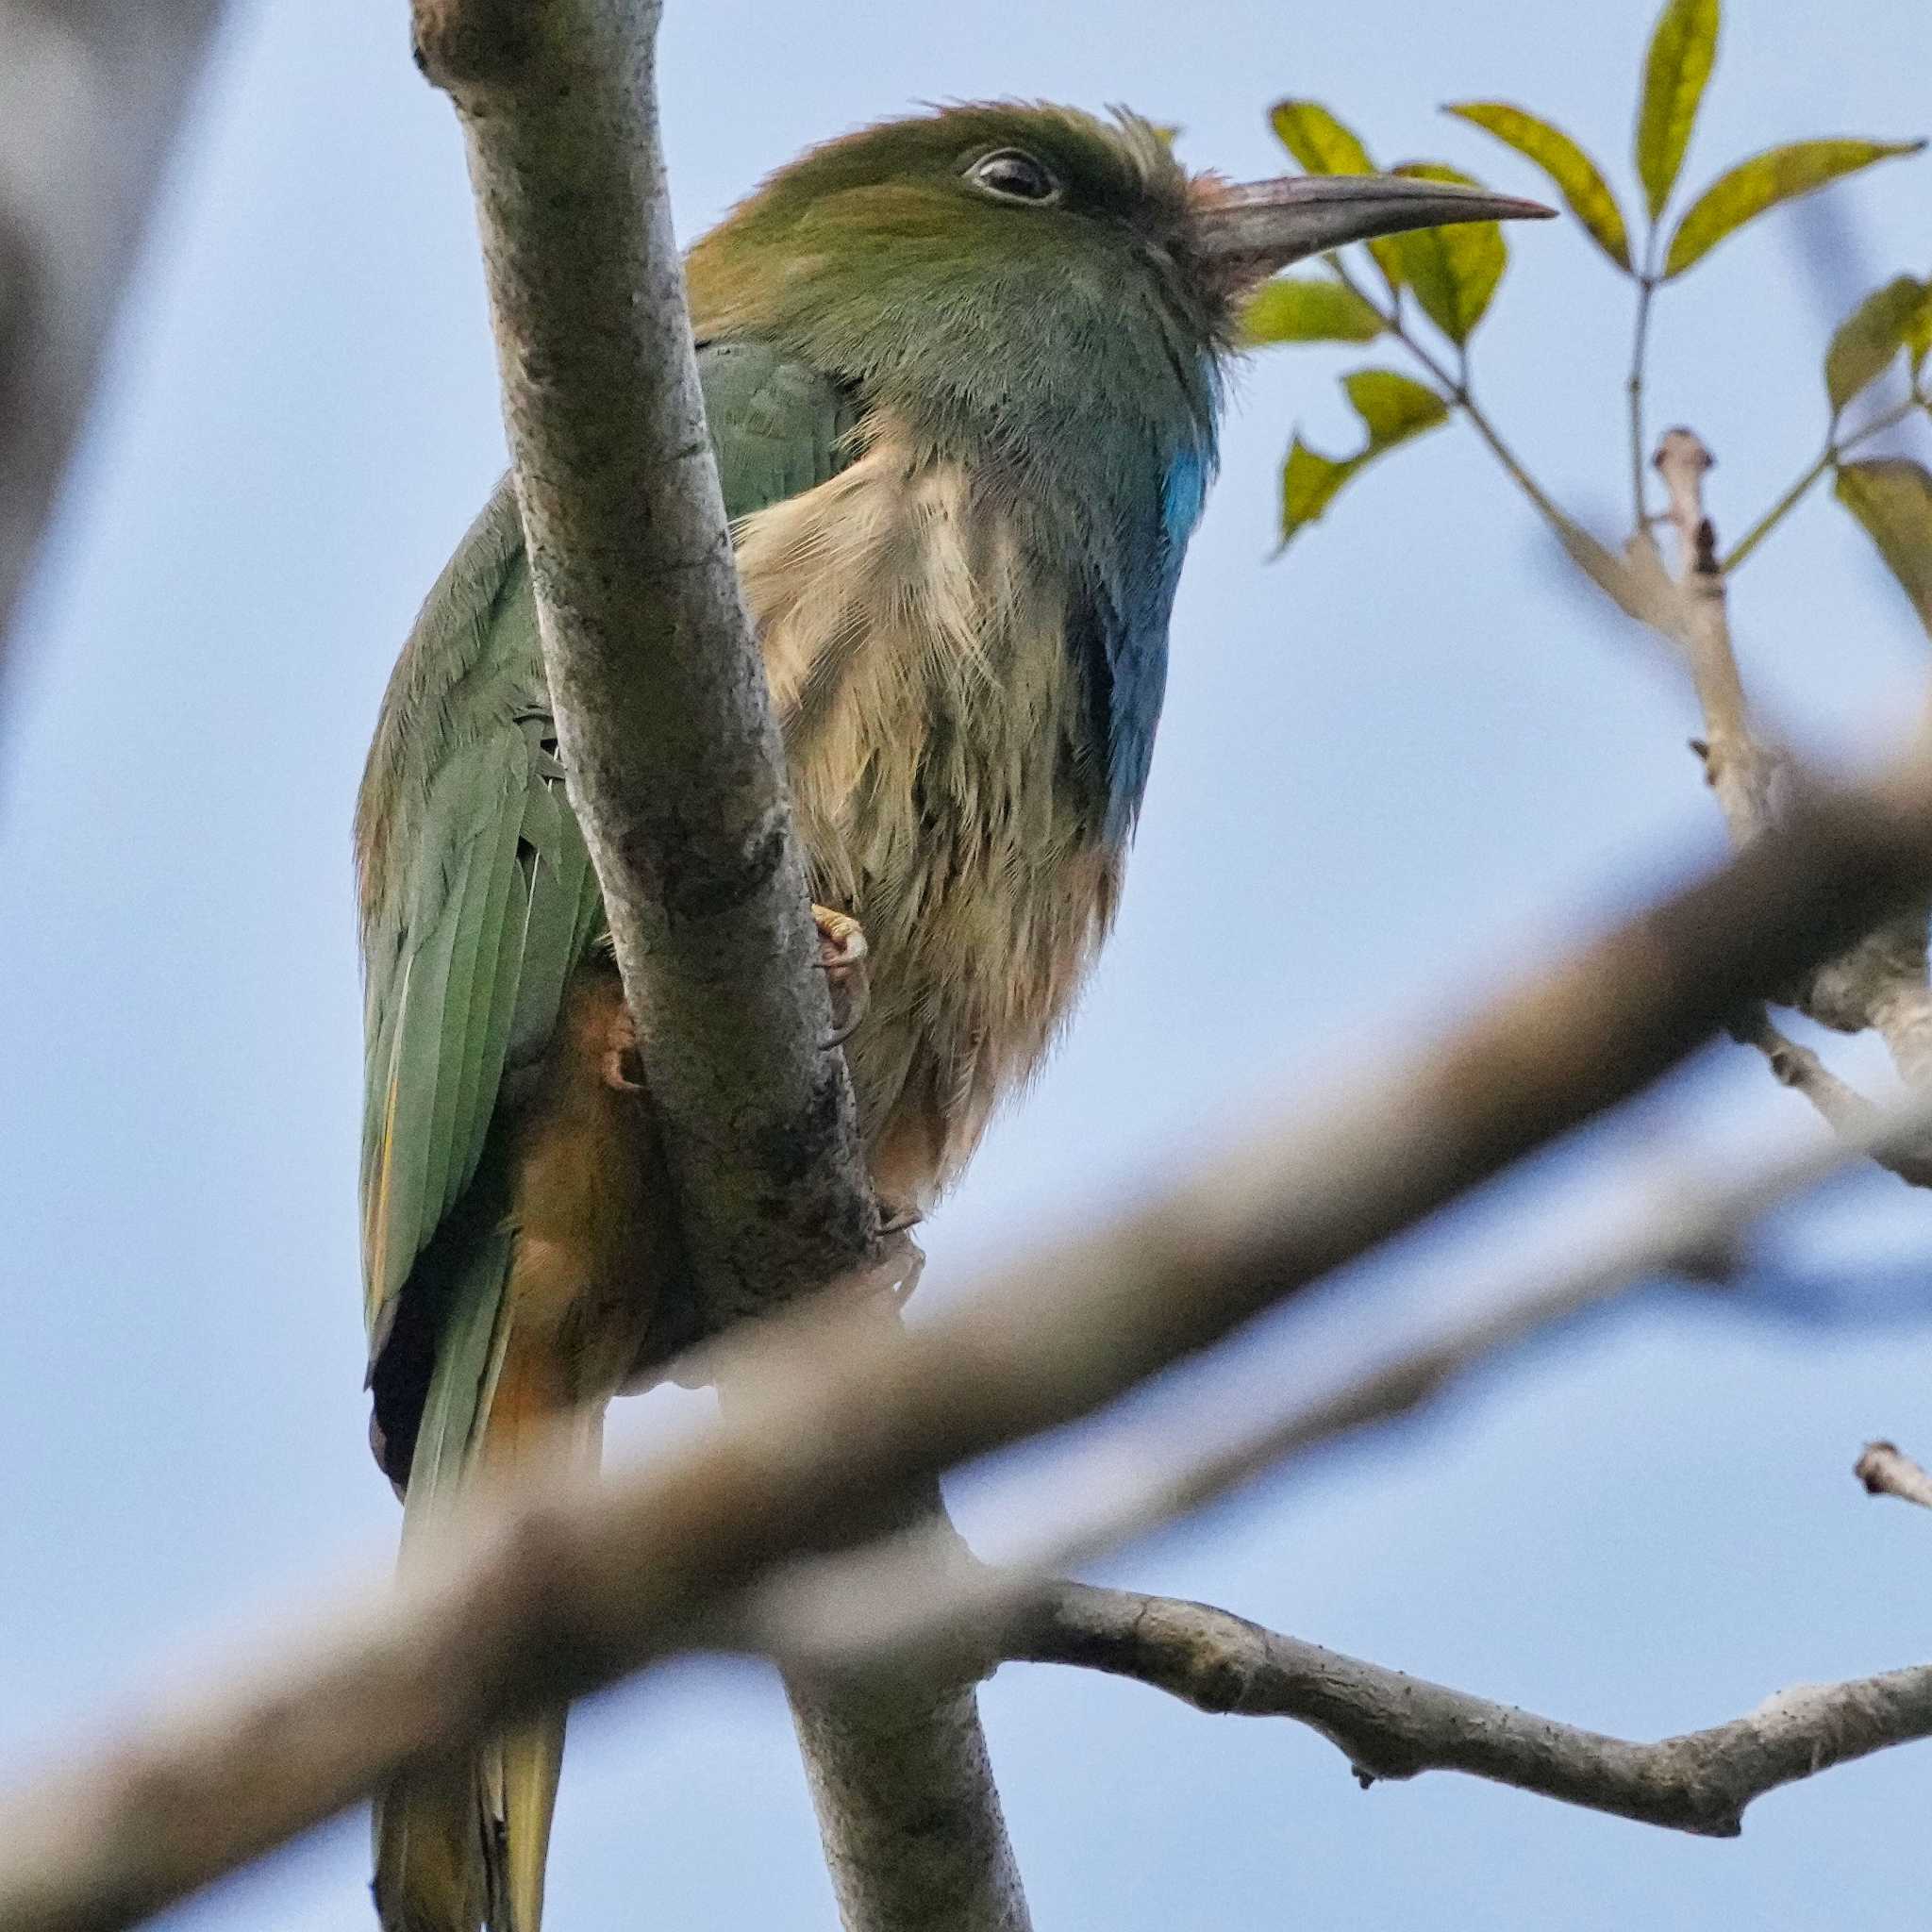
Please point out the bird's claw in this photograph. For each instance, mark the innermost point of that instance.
(842, 953)
(620, 1054)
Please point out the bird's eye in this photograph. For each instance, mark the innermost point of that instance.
(1013, 174)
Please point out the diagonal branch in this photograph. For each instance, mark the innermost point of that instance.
(841, 1417)
(90, 96)
(677, 774)
(1392, 1726)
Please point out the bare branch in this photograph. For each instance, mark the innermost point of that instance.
(1879, 983)
(1392, 1726)
(90, 96)
(1886, 1470)
(1839, 1104)
(1746, 770)
(837, 1415)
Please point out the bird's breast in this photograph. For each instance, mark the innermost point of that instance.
(945, 780)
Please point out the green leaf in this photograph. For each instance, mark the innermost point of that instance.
(1300, 308)
(1682, 48)
(1891, 496)
(1321, 145)
(1918, 333)
(1871, 337)
(1453, 271)
(1309, 483)
(1578, 179)
(1317, 140)
(1392, 408)
(1779, 175)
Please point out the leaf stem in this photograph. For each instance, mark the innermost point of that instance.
(1457, 391)
(1835, 451)
(1640, 349)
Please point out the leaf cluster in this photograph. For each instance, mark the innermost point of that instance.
(1451, 275)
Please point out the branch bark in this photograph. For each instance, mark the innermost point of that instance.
(91, 93)
(1886, 1470)
(1880, 983)
(1392, 1726)
(837, 1416)
(677, 773)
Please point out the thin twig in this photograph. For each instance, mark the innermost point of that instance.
(1639, 350)
(1392, 1726)
(1886, 1470)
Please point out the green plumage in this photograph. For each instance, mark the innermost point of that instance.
(478, 901)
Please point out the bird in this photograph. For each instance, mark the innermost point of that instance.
(962, 373)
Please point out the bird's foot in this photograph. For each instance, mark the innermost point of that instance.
(842, 960)
(618, 1060)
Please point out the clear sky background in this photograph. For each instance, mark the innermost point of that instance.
(1393, 767)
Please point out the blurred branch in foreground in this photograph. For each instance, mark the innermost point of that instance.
(90, 92)
(839, 1413)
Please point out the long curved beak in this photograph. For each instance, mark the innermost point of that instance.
(1263, 226)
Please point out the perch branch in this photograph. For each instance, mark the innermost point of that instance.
(677, 774)
(837, 1414)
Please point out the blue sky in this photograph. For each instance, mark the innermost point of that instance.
(1394, 766)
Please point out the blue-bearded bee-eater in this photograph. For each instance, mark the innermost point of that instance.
(962, 373)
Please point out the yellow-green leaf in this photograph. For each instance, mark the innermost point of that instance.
(1871, 337)
(1317, 140)
(1309, 483)
(1300, 308)
(1891, 496)
(1323, 146)
(1682, 48)
(1392, 408)
(1454, 271)
(1779, 175)
(1578, 179)
(1919, 331)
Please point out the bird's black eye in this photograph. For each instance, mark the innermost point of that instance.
(1013, 174)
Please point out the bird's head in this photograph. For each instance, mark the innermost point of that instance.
(1003, 270)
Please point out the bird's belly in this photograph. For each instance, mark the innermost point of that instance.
(934, 723)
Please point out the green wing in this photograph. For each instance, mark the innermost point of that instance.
(478, 900)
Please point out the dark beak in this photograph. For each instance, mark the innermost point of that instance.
(1252, 230)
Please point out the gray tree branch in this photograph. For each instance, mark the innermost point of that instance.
(837, 1417)
(677, 773)
(90, 92)
(1392, 1726)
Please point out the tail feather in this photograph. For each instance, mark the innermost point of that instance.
(460, 1845)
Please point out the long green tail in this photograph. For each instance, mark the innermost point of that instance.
(460, 1845)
